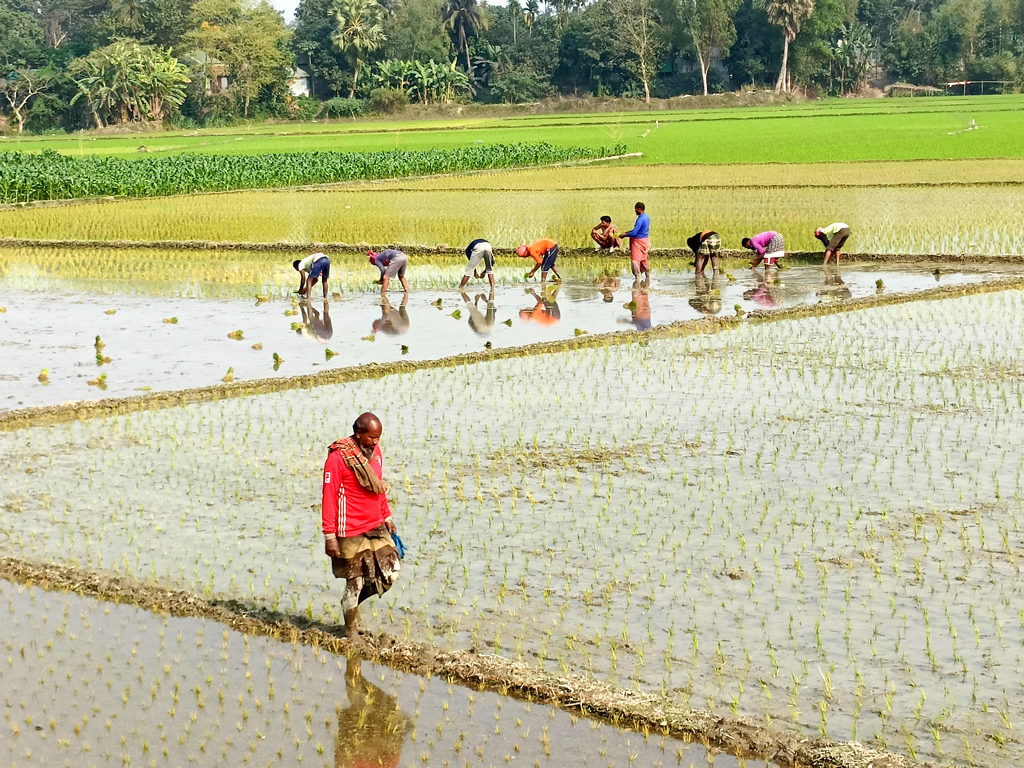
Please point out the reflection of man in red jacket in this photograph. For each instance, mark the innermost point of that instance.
(371, 730)
(357, 522)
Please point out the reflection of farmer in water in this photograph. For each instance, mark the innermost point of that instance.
(768, 292)
(482, 323)
(708, 300)
(640, 306)
(835, 289)
(371, 729)
(392, 321)
(310, 269)
(607, 285)
(313, 327)
(546, 311)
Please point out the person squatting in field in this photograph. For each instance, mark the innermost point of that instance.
(605, 236)
(768, 247)
(356, 517)
(640, 243)
(544, 252)
(477, 251)
(833, 237)
(392, 263)
(317, 265)
(705, 246)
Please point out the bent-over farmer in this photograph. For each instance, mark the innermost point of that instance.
(477, 251)
(544, 253)
(768, 247)
(357, 522)
(392, 263)
(833, 237)
(705, 246)
(314, 266)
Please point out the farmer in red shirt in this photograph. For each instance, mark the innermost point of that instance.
(357, 520)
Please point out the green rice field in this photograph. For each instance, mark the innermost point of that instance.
(790, 504)
(833, 130)
(924, 216)
(813, 521)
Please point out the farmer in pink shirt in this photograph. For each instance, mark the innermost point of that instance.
(767, 247)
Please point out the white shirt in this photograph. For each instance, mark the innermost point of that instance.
(307, 263)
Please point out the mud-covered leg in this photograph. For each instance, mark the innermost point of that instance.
(350, 606)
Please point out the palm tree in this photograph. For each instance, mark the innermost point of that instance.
(466, 17)
(358, 31)
(789, 15)
(532, 11)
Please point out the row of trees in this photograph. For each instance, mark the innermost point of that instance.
(76, 63)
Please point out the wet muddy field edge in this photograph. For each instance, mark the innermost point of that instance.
(621, 707)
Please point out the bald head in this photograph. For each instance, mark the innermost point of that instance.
(365, 423)
(366, 433)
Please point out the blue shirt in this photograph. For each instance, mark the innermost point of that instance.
(642, 228)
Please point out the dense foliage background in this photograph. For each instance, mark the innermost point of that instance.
(72, 64)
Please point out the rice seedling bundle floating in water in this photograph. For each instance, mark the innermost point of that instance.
(26, 177)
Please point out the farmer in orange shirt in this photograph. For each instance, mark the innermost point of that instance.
(543, 252)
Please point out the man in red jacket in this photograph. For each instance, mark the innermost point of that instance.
(357, 520)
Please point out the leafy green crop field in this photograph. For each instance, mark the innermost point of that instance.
(836, 130)
(27, 177)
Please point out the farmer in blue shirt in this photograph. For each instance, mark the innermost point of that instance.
(640, 243)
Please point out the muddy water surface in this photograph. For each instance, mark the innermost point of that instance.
(92, 683)
(166, 343)
(816, 520)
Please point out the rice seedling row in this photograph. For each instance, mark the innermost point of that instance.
(907, 220)
(123, 685)
(95, 344)
(815, 520)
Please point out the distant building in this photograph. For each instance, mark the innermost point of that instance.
(215, 72)
(300, 82)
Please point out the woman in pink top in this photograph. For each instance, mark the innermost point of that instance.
(767, 247)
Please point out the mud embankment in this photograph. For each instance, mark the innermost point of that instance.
(623, 707)
(458, 254)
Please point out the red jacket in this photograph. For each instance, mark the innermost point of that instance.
(348, 508)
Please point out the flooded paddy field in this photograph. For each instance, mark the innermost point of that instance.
(156, 336)
(93, 683)
(814, 520)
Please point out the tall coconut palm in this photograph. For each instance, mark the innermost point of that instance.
(358, 31)
(464, 17)
(788, 15)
